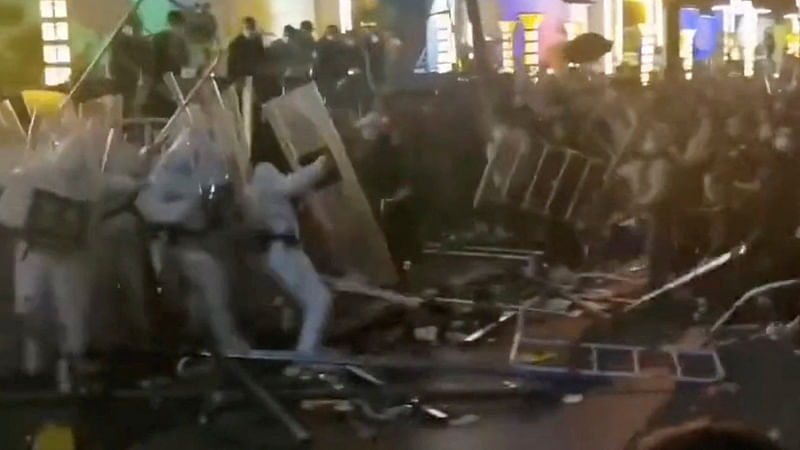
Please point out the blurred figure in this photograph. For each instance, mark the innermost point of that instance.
(649, 174)
(330, 65)
(130, 61)
(171, 54)
(297, 57)
(306, 35)
(270, 199)
(190, 196)
(203, 33)
(246, 55)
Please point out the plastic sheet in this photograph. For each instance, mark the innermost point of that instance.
(69, 168)
(353, 237)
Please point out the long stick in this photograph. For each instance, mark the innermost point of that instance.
(705, 268)
(102, 52)
(746, 297)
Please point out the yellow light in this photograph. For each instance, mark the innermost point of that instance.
(531, 21)
(531, 60)
(507, 26)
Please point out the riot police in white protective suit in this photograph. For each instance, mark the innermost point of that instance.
(270, 209)
(120, 251)
(190, 197)
(50, 200)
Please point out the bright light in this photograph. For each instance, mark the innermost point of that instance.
(445, 45)
(530, 23)
(55, 31)
(53, 76)
(56, 54)
(53, 9)
(608, 33)
(346, 14)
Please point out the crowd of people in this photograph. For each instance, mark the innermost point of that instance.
(138, 63)
(705, 165)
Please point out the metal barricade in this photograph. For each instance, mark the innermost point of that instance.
(540, 178)
(560, 182)
(601, 360)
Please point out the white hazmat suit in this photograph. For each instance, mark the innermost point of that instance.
(50, 278)
(189, 177)
(270, 196)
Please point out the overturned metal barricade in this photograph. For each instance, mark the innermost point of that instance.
(562, 182)
(540, 178)
(602, 360)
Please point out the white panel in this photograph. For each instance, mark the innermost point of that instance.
(60, 9)
(290, 12)
(54, 76)
(56, 54)
(46, 9)
(62, 31)
(49, 32)
(346, 15)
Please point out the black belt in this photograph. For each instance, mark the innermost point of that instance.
(262, 239)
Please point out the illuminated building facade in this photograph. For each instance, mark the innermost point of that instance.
(55, 42)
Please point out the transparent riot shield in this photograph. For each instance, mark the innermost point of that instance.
(353, 239)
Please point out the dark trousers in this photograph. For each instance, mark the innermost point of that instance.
(660, 245)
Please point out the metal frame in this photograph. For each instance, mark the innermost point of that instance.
(556, 187)
(596, 349)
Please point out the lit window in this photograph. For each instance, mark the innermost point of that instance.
(56, 54)
(53, 76)
(49, 31)
(55, 31)
(62, 31)
(53, 9)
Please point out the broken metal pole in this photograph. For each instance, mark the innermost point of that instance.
(697, 272)
(746, 297)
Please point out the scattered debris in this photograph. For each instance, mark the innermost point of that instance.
(465, 420)
(538, 357)
(774, 433)
(336, 405)
(722, 388)
(386, 415)
(572, 399)
(426, 334)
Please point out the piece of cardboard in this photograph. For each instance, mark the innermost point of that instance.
(353, 239)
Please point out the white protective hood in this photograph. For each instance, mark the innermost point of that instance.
(69, 167)
(194, 164)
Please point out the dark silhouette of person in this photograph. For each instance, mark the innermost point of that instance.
(330, 65)
(170, 54)
(246, 54)
(129, 61)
